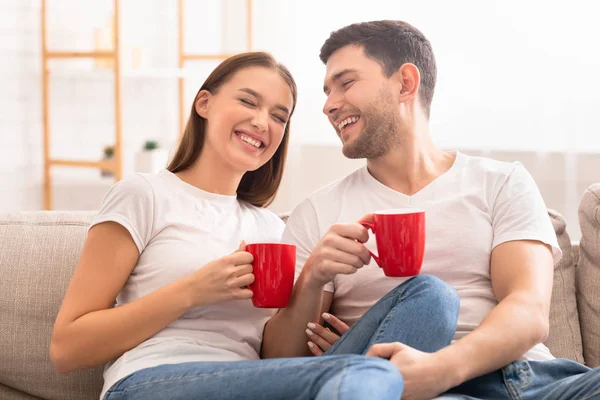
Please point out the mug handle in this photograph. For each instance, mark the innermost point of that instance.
(371, 226)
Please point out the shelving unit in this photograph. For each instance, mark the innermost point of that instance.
(115, 165)
(183, 56)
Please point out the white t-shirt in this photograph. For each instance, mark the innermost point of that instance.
(177, 229)
(476, 205)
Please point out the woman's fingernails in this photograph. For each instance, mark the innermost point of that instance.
(311, 325)
(326, 316)
(309, 332)
(311, 345)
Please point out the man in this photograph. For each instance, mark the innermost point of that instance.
(488, 233)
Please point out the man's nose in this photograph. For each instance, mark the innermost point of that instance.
(332, 105)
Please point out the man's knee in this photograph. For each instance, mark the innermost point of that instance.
(436, 288)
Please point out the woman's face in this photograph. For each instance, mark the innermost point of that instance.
(246, 118)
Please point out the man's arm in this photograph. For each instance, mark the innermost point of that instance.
(521, 274)
(318, 260)
(522, 282)
(341, 251)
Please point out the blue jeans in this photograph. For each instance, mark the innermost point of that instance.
(419, 312)
(558, 379)
(422, 313)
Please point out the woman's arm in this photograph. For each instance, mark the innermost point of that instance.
(88, 331)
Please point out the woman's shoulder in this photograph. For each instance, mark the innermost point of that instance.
(133, 188)
(143, 185)
(260, 213)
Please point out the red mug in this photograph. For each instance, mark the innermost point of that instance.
(273, 268)
(400, 238)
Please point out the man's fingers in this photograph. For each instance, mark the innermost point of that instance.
(315, 349)
(384, 350)
(343, 257)
(367, 218)
(339, 268)
(337, 324)
(354, 231)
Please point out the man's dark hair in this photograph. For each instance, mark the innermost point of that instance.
(391, 44)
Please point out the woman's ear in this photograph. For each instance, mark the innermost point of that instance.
(201, 103)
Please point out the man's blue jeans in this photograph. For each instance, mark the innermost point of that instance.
(558, 379)
(421, 312)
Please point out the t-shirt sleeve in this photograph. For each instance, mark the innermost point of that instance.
(302, 230)
(519, 212)
(130, 203)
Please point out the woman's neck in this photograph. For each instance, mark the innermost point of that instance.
(212, 175)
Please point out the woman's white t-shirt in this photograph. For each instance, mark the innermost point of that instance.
(177, 229)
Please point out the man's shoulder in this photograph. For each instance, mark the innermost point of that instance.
(488, 164)
(325, 204)
(489, 169)
(332, 191)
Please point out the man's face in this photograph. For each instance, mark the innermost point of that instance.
(360, 103)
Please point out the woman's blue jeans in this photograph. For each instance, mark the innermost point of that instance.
(421, 312)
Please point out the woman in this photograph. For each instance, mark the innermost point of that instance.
(168, 249)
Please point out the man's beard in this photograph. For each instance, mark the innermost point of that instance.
(380, 129)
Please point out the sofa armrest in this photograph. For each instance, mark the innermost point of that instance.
(575, 247)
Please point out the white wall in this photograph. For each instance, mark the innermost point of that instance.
(512, 74)
(514, 78)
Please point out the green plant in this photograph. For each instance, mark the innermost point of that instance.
(151, 145)
(109, 151)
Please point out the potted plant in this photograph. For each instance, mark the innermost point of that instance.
(109, 152)
(152, 158)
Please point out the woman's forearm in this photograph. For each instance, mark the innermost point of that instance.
(100, 336)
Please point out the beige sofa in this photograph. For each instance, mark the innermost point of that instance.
(38, 251)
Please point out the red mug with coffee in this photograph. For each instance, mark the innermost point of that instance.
(273, 268)
(400, 238)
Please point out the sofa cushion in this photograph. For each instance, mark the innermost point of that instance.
(38, 253)
(564, 340)
(588, 274)
(7, 393)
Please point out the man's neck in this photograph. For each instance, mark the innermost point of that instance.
(411, 164)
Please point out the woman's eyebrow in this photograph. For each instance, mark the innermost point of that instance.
(260, 97)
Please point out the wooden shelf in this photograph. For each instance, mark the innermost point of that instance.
(105, 165)
(116, 69)
(80, 54)
(183, 56)
(91, 72)
(205, 57)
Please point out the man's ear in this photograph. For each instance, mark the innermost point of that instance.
(201, 103)
(408, 80)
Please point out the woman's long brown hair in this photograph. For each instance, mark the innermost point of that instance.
(257, 187)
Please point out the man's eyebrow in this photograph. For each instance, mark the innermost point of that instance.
(337, 77)
(260, 97)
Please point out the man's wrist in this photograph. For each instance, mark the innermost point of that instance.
(452, 367)
(308, 281)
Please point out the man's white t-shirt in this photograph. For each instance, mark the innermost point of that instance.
(178, 228)
(476, 205)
